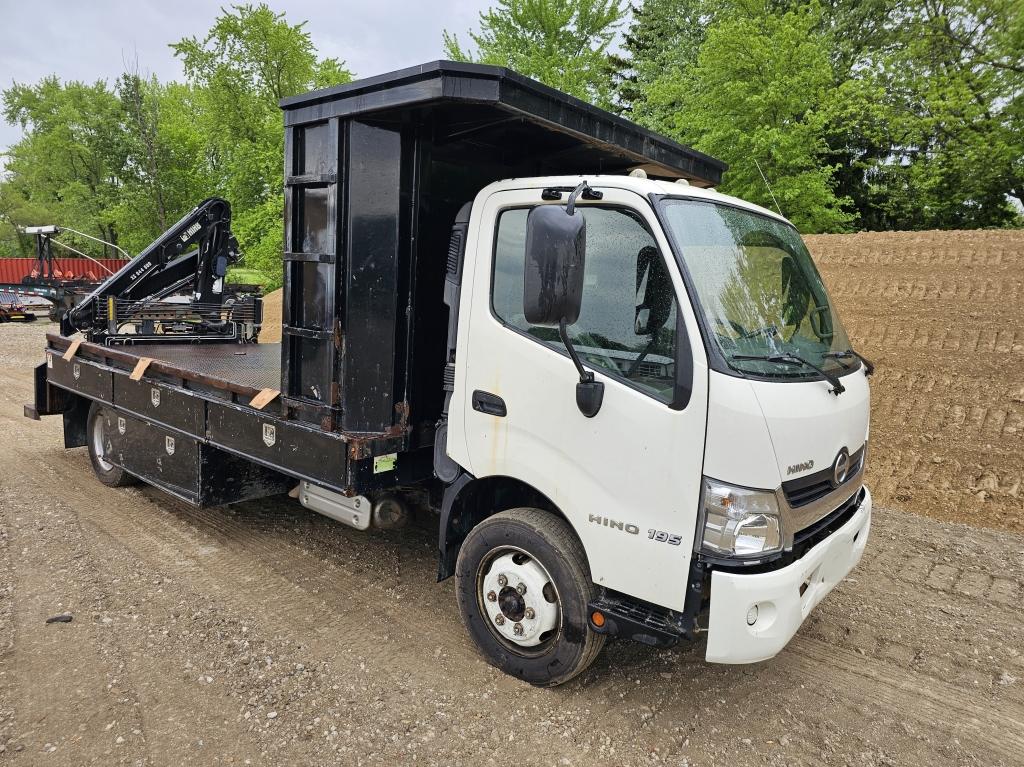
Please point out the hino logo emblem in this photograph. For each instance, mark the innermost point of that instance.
(154, 397)
(796, 468)
(169, 444)
(269, 434)
(121, 425)
(841, 468)
(76, 371)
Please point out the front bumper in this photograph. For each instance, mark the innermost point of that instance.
(783, 597)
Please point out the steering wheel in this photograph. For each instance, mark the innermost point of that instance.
(768, 330)
(819, 316)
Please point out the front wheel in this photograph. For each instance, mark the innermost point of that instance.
(523, 588)
(99, 421)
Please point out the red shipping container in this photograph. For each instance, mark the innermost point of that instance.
(13, 270)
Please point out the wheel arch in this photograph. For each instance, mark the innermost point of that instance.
(468, 501)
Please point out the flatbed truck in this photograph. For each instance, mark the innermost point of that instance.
(627, 397)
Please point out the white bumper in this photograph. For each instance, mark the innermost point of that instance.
(781, 608)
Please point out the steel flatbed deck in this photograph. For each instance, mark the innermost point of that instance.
(194, 417)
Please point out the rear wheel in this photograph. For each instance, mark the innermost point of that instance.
(99, 420)
(523, 586)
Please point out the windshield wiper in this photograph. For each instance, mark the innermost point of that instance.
(792, 359)
(869, 366)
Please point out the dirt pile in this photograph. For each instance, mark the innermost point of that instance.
(270, 333)
(941, 313)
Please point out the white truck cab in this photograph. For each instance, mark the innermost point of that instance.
(717, 486)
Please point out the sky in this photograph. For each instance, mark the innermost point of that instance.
(93, 40)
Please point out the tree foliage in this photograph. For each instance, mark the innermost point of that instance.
(911, 117)
(663, 36)
(757, 95)
(69, 160)
(250, 60)
(563, 43)
(123, 163)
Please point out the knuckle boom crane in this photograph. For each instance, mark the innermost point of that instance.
(174, 290)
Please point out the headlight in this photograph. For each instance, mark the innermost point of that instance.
(739, 522)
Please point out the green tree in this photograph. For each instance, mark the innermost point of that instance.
(962, 72)
(757, 97)
(250, 60)
(67, 166)
(925, 125)
(663, 35)
(562, 43)
(168, 169)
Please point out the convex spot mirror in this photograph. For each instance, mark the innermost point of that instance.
(556, 243)
(654, 292)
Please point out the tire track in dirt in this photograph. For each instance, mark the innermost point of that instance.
(890, 688)
(967, 291)
(266, 572)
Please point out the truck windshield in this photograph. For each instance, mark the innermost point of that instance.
(758, 289)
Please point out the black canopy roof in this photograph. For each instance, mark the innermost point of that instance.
(495, 109)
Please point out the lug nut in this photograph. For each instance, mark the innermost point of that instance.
(518, 629)
(502, 581)
(492, 597)
(530, 613)
(521, 588)
(499, 619)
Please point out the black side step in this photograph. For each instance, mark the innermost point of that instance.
(636, 620)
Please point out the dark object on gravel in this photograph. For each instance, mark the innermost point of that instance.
(62, 618)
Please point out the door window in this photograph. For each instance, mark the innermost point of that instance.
(627, 326)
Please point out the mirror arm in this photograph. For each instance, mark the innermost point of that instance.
(585, 375)
(589, 393)
(570, 204)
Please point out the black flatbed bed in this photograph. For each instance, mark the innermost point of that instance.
(252, 366)
(200, 397)
(240, 371)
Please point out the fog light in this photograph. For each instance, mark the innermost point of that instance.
(752, 616)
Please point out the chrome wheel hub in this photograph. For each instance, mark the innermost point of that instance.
(519, 599)
(99, 442)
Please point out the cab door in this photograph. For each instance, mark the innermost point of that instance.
(628, 479)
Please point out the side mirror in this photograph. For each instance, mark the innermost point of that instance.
(556, 243)
(653, 284)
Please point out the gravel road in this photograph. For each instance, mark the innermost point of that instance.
(263, 634)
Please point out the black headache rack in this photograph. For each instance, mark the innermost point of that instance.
(376, 173)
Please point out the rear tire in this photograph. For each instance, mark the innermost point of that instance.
(97, 424)
(523, 589)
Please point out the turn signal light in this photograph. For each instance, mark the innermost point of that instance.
(597, 619)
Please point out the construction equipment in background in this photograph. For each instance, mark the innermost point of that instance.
(59, 282)
(12, 310)
(174, 290)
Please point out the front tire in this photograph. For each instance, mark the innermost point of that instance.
(523, 589)
(96, 429)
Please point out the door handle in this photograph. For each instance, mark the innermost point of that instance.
(488, 403)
